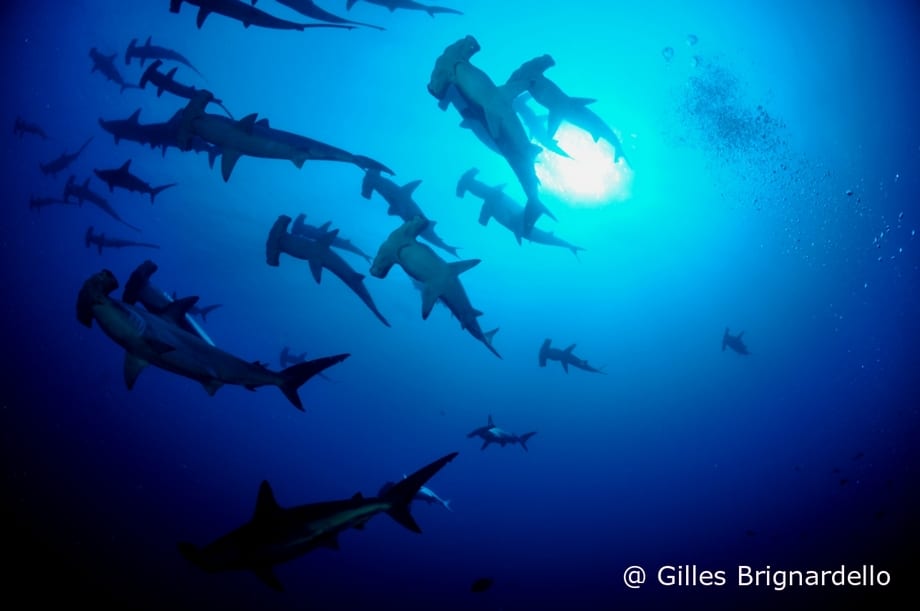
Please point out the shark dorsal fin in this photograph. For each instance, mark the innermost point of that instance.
(266, 505)
(410, 187)
(328, 238)
(172, 73)
(263, 122)
(135, 116)
(569, 349)
(458, 267)
(177, 309)
(491, 424)
(248, 122)
(325, 226)
(125, 166)
(583, 101)
(149, 38)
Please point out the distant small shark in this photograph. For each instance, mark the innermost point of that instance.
(63, 161)
(402, 204)
(289, 358)
(492, 434)
(122, 178)
(167, 82)
(22, 127)
(150, 51)
(246, 14)
(439, 279)
(301, 228)
(308, 8)
(509, 214)
(319, 255)
(565, 358)
(83, 193)
(734, 342)
(101, 241)
(37, 203)
(105, 64)
(276, 534)
(149, 339)
(139, 289)
(411, 5)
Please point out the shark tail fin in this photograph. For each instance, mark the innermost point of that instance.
(156, 190)
(400, 494)
(544, 349)
(367, 187)
(524, 439)
(463, 185)
(295, 376)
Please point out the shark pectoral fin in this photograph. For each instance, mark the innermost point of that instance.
(248, 122)
(458, 267)
(228, 159)
(429, 298)
(493, 124)
(212, 386)
(485, 444)
(409, 188)
(582, 101)
(569, 349)
(553, 121)
(316, 268)
(133, 368)
(565, 365)
(265, 574)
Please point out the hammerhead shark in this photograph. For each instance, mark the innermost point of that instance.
(156, 135)
(424, 494)
(439, 279)
(492, 434)
(139, 289)
(560, 105)
(63, 161)
(537, 126)
(406, 5)
(565, 358)
(402, 204)
(255, 138)
(289, 358)
(83, 193)
(167, 82)
(302, 228)
(149, 339)
(308, 8)
(123, 178)
(496, 204)
(101, 241)
(150, 51)
(734, 342)
(494, 105)
(37, 203)
(276, 534)
(246, 14)
(105, 64)
(22, 127)
(319, 254)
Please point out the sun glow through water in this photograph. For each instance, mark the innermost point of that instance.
(589, 177)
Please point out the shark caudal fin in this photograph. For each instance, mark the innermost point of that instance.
(295, 376)
(156, 190)
(401, 494)
(544, 349)
(524, 439)
(367, 186)
(463, 185)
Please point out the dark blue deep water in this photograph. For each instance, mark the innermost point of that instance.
(771, 187)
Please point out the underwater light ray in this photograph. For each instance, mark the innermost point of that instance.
(588, 176)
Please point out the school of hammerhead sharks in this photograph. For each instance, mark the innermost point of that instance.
(157, 328)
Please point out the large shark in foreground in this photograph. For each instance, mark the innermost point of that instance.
(562, 107)
(149, 339)
(565, 358)
(734, 342)
(493, 104)
(277, 534)
(492, 434)
(319, 255)
(424, 494)
(509, 214)
(439, 280)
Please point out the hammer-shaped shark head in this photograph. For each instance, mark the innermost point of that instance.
(95, 290)
(445, 66)
(402, 236)
(530, 71)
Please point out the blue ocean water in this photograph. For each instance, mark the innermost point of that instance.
(771, 187)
